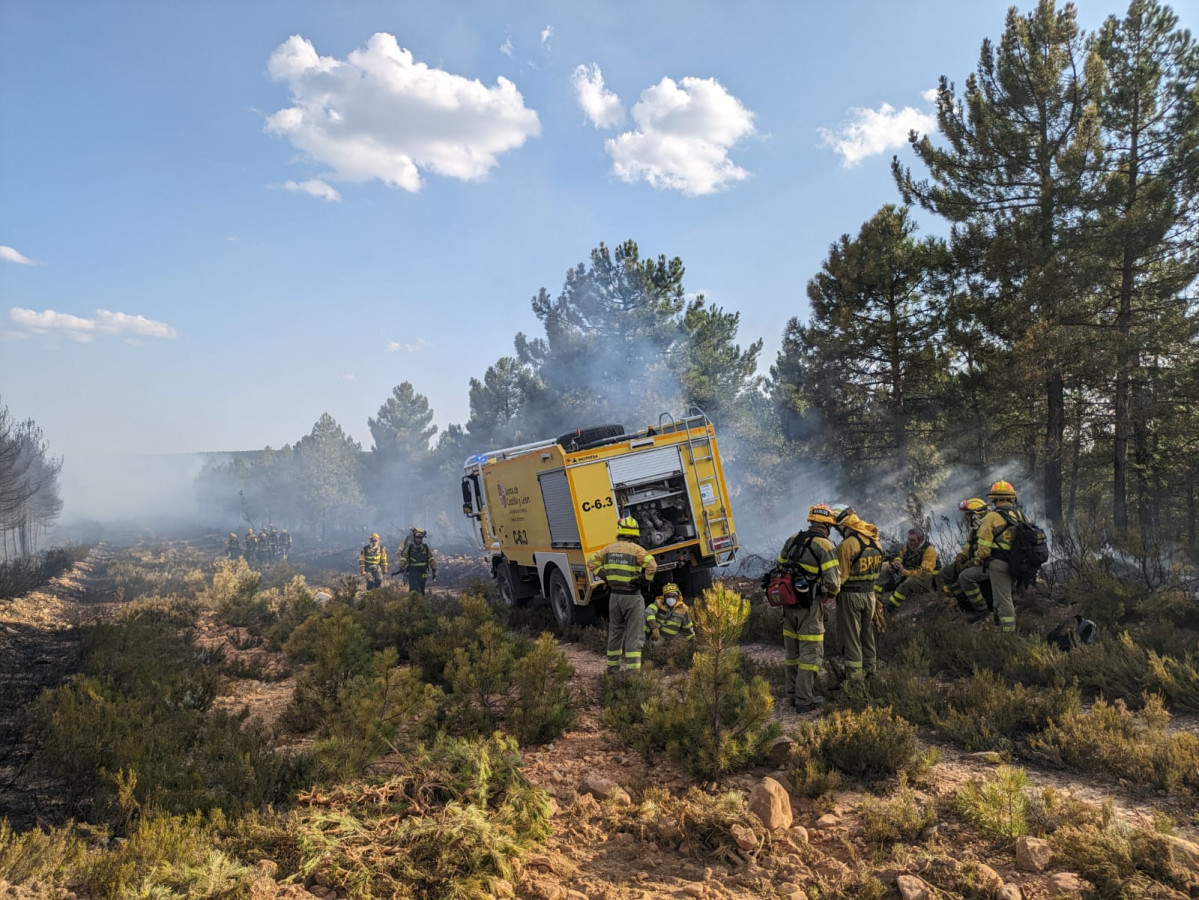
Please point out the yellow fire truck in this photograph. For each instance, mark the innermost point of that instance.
(543, 508)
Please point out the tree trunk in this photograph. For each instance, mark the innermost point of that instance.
(1124, 348)
(1054, 434)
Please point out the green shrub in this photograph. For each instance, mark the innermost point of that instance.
(872, 743)
(1120, 862)
(717, 721)
(450, 823)
(459, 627)
(392, 709)
(544, 704)
(295, 607)
(983, 712)
(898, 817)
(39, 855)
(337, 651)
(998, 806)
(396, 619)
(1137, 746)
(812, 778)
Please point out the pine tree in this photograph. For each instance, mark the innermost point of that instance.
(1022, 147)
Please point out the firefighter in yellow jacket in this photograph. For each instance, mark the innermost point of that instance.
(995, 535)
(811, 554)
(624, 565)
(860, 558)
(372, 562)
(973, 511)
(416, 560)
(668, 615)
(912, 570)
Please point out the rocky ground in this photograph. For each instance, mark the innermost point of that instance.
(797, 848)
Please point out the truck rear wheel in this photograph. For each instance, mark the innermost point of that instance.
(584, 436)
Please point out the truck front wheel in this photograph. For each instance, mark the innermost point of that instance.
(505, 584)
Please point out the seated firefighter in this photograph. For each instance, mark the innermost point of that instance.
(668, 615)
(910, 572)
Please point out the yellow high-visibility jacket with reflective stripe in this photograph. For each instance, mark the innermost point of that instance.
(818, 561)
(993, 537)
(375, 557)
(621, 564)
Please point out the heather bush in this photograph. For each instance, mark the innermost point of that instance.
(872, 743)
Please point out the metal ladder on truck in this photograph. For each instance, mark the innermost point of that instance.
(699, 450)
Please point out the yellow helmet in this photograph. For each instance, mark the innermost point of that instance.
(249, 531)
(232, 534)
(820, 514)
(672, 588)
(375, 536)
(628, 527)
(973, 506)
(1001, 490)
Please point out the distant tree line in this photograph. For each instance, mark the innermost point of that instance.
(29, 490)
(1050, 339)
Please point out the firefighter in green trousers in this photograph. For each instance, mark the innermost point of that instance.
(416, 559)
(995, 534)
(372, 562)
(232, 546)
(624, 566)
(973, 511)
(811, 554)
(860, 558)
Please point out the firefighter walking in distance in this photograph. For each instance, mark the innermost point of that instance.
(372, 562)
(860, 558)
(811, 554)
(995, 535)
(912, 571)
(416, 559)
(623, 566)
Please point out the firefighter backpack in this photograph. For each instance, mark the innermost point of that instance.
(1030, 547)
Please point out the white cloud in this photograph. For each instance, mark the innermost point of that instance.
(873, 131)
(380, 114)
(347, 377)
(396, 346)
(506, 47)
(83, 330)
(546, 33)
(316, 188)
(601, 106)
(232, 237)
(683, 137)
(8, 254)
(931, 95)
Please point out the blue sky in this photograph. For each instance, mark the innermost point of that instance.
(219, 220)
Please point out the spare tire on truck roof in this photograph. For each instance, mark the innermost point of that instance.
(582, 437)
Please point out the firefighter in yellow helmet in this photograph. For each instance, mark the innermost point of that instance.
(808, 554)
(372, 562)
(416, 560)
(250, 545)
(668, 615)
(232, 546)
(860, 558)
(995, 534)
(911, 571)
(624, 565)
(973, 511)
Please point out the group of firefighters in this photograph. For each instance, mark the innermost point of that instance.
(848, 587)
(853, 585)
(267, 545)
(413, 556)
